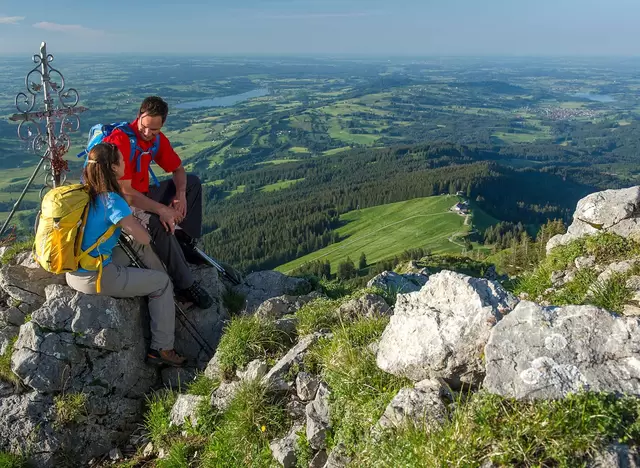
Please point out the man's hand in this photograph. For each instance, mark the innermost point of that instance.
(180, 204)
(169, 217)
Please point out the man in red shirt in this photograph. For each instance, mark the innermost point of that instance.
(174, 202)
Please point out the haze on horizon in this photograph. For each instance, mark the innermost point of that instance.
(354, 27)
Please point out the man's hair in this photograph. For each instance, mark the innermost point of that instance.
(154, 106)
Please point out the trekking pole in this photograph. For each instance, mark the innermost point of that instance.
(216, 265)
(182, 316)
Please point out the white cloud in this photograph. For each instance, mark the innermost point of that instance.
(67, 28)
(10, 19)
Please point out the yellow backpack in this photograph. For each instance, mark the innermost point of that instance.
(63, 216)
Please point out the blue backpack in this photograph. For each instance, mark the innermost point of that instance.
(100, 131)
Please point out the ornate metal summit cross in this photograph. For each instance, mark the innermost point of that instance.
(37, 127)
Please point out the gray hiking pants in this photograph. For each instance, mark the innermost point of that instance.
(120, 280)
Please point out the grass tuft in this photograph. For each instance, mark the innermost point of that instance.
(242, 437)
(16, 248)
(233, 301)
(9, 460)
(202, 385)
(70, 408)
(249, 338)
(509, 433)
(6, 373)
(156, 419)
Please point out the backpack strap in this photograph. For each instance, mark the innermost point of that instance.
(100, 259)
(137, 152)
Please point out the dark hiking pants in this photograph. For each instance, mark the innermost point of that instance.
(165, 244)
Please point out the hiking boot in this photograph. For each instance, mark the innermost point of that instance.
(167, 357)
(196, 294)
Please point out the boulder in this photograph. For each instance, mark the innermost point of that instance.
(318, 421)
(221, 398)
(616, 456)
(421, 406)
(255, 370)
(12, 316)
(319, 459)
(395, 283)
(368, 305)
(263, 285)
(278, 307)
(27, 284)
(540, 352)
(306, 386)
(295, 355)
(208, 323)
(284, 450)
(338, 457)
(441, 330)
(186, 409)
(612, 211)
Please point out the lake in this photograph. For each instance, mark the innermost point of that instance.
(224, 101)
(595, 97)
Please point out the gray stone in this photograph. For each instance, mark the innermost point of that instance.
(263, 285)
(319, 459)
(441, 330)
(306, 386)
(615, 268)
(338, 458)
(186, 409)
(278, 307)
(616, 456)
(209, 322)
(284, 450)
(631, 310)
(318, 421)
(115, 454)
(27, 284)
(7, 335)
(296, 408)
(368, 305)
(255, 370)
(421, 406)
(295, 355)
(214, 369)
(26, 260)
(546, 353)
(288, 326)
(224, 394)
(6, 389)
(585, 262)
(11, 316)
(148, 450)
(607, 211)
(395, 283)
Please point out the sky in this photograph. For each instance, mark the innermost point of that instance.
(324, 27)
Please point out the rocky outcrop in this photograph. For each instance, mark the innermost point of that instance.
(278, 307)
(540, 352)
(90, 349)
(263, 285)
(614, 211)
(395, 283)
(368, 305)
(441, 330)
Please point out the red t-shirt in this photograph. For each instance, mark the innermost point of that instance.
(166, 157)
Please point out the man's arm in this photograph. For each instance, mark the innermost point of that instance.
(168, 215)
(180, 181)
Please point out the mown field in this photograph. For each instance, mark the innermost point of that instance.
(384, 231)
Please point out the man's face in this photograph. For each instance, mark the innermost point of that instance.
(149, 126)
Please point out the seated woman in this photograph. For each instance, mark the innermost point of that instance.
(107, 207)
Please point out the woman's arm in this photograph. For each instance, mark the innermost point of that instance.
(133, 227)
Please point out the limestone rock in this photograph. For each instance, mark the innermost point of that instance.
(294, 355)
(263, 285)
(607, 211)
(617, 456)
(185, 408)
(369, 305)
(319, 459)
(11, 316)
(27, 284)
(421, 405)
(278, 307)
(441, 330)
(255, 370)
(585, 262)
(540, 352)
(224, 394)
(395, 283)
(338, 458)
(318, 421)
(306, 386)
(284, 450)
